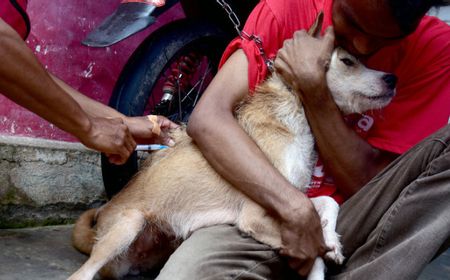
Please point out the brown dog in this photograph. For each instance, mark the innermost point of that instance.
(178, 192)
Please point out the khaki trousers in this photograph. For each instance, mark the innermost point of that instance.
(390, 229)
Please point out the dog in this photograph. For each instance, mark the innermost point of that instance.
(178, 192)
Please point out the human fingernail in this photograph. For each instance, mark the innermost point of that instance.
(171, 143)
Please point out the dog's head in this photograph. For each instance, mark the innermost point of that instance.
(356, 88)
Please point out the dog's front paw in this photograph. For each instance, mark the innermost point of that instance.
(335, 256)
(335, 249)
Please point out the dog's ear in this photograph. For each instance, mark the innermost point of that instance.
(315, 28)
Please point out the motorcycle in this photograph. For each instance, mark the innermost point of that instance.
(170, 69)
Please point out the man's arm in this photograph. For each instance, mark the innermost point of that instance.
(90, 106)
(235, 156)
(140, 127)
(351, 161)
(25, 81)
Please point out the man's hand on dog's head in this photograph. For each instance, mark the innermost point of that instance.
(302, 62)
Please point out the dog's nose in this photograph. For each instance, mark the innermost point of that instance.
(390, 80)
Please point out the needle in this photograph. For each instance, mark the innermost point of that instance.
(151, 147)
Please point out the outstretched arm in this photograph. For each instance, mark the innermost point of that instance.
(26, 82)
(235, 156)
(140, 127)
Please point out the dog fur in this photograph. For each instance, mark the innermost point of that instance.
(178, 192)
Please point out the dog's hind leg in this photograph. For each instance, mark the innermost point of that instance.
(254, 221)
(114, 242)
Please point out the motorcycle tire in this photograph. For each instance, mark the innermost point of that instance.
(135, 90)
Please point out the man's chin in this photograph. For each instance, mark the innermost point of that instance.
(354, 52)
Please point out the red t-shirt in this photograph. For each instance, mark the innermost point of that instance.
(421, 62)
(13, 12)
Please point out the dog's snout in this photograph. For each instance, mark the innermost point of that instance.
(390, 80)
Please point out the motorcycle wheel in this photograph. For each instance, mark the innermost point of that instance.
(159, 63)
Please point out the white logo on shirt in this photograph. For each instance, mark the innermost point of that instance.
(318, 171)
(365, 123)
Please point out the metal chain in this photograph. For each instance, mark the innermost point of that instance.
(244, 35)
(231, 15)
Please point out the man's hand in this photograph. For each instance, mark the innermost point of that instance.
(302, 238)
(110, 136)
(302, 62)
(117, 137)
(141, 128)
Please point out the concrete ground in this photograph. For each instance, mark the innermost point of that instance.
(45, 253)
(41, 253)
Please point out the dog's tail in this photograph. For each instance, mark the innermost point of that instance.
(83, 235)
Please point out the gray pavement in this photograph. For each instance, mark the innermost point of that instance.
(41, 253)
(38, 253)
(45, 253)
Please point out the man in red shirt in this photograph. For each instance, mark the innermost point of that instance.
(26, 82)
(393, 223)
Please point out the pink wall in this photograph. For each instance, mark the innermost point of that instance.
(57, 28)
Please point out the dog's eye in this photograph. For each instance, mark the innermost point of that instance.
(347, 61)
